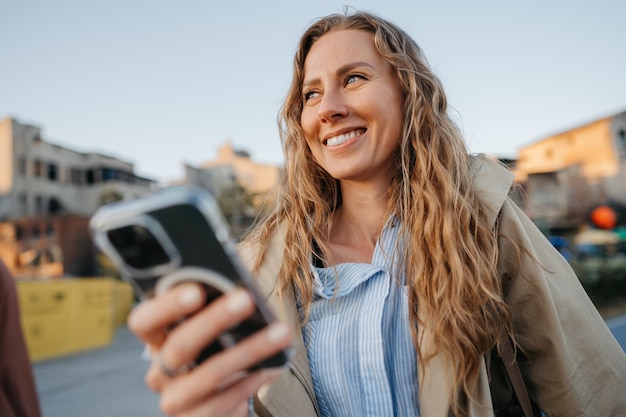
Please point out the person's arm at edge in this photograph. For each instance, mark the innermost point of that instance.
(18, 395)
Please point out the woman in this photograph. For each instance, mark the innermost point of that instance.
(396, 259)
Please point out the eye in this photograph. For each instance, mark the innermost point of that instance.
(308, 95)
(354, 77)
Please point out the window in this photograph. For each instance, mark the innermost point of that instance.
(52, 172)
(21, 165)
(19, 232)
(89, 176)
(109, 174)
(76, 176)
(114, 174)
(38, 168)
(38, 204)
(23, 204)
(55, 205)
(621, 140)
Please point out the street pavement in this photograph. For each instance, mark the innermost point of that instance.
(109, 381)
(103, 382)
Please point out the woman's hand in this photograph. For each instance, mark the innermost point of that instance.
(219, 386)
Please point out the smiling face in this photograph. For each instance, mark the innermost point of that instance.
(352, 111)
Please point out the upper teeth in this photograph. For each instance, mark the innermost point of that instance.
(339, 139)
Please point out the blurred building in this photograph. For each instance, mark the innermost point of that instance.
(239, 184)
(38, 178)
(232, 167)
(49, 247)
(47, 195)
(567, 174)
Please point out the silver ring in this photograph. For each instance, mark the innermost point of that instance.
(173, 372)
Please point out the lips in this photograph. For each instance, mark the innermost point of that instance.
(343, 138)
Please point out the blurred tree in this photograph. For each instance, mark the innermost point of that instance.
(103, 264)
(110, 196)
(237, 206)
(105, 267)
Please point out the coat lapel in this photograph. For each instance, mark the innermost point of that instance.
(292, 393)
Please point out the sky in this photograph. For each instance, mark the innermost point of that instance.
(162, 83)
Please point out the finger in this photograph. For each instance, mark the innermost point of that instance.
(232, 402)
(150, 320)
(153, 378)
(208, 378)
(186, 341)
(160, 373)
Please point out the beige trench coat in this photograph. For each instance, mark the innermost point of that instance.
(575, 366)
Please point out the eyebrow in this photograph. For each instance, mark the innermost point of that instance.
(341, 71)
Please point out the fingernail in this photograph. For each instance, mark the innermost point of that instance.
(277, 332)
(190, 296)
(238, 301)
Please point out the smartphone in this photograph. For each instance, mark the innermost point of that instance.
(175, 235)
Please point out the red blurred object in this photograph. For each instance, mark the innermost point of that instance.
(604, 217)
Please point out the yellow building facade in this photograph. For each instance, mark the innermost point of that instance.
(567, 174)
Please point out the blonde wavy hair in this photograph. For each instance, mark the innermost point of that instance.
(452, 250)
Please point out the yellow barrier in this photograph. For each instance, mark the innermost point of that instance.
(123, 300)
(61, 317)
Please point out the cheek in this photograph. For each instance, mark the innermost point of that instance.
(315, 150)
(395, 118)
(395, 111)
(307, 122)
(309, 130)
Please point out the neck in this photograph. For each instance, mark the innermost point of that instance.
(362, 213)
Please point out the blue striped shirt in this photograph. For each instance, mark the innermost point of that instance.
(359, 344)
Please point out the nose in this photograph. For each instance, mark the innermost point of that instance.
(332, 106)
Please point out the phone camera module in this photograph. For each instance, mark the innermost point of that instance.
(138, 247)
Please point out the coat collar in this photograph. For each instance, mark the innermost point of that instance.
(491, 183)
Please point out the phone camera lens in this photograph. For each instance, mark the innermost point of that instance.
(138, 247)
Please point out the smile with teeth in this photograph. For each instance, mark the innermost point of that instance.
(343, 138)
